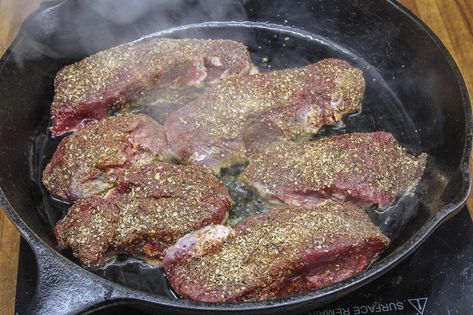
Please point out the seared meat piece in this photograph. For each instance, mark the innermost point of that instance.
(282, 252)
(89, 161)
(152, 206)
(368, 168)
(172, 69)
(244, 112)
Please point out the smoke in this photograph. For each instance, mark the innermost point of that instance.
(74, 29)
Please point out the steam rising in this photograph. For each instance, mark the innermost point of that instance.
(74, 29)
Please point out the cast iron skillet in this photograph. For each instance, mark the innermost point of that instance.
(414, 90)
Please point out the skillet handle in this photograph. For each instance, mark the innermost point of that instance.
(63, 289)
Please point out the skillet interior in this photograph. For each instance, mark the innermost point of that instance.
(413, 91)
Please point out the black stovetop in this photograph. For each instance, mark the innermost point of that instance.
(436, 279)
